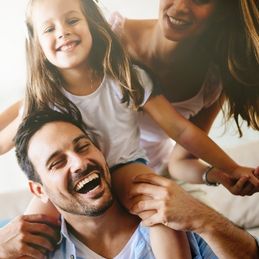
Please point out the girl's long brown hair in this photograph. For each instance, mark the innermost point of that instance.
(107, 55)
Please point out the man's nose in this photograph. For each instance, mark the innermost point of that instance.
(77, 163)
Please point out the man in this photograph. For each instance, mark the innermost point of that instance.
(72, 173)
(64, 166)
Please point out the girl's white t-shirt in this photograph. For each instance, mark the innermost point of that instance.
(114, 125)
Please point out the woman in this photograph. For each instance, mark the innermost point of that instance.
(202, 52)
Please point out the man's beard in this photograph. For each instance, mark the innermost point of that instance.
(78, 205)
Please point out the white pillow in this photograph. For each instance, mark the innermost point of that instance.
(244, 211)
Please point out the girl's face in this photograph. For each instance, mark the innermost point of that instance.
(182, 19)
(62, 32)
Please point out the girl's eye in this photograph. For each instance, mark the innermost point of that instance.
(49, 29)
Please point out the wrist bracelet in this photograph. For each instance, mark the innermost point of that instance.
(205, 177)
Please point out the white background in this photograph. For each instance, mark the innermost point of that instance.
(12, 79)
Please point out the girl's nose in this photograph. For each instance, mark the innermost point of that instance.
(63, 32)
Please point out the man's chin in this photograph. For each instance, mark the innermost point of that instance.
(99, 211)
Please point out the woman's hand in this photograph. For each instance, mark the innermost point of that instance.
(244, 185)
(29, 236)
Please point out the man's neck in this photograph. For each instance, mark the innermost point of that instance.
(106, 234)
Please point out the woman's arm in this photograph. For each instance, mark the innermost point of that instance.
(185, 166)
(192, 138)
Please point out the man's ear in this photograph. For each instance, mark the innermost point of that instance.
(37, 190)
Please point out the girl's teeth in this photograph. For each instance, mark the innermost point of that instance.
(67, 47)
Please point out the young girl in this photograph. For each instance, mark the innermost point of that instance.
(75, 63)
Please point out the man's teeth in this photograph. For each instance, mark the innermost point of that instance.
(86, 180)
(176, 21)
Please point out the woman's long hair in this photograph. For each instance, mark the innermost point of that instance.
(236, 52)
(44, 82)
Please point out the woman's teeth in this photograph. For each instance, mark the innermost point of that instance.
(176, 21)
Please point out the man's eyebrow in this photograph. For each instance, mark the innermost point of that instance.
(83, 136)
(75, 141)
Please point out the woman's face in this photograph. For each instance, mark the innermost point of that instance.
(183, 19)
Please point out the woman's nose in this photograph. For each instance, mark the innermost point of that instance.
(181, 6)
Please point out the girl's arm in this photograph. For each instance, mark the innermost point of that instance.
(9, 122)
(9, 114)
(192, 138)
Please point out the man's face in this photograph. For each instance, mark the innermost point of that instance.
(74, 173)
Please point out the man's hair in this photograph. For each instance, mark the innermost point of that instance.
(30, 125)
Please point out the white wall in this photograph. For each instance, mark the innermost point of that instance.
(12, 67)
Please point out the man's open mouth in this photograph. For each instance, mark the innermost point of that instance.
(88, 183)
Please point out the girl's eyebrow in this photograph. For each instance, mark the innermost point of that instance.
(72, 12)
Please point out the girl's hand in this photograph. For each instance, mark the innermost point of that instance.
(29, 236)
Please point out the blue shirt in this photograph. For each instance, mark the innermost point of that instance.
(142, 248)
(67, 249)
